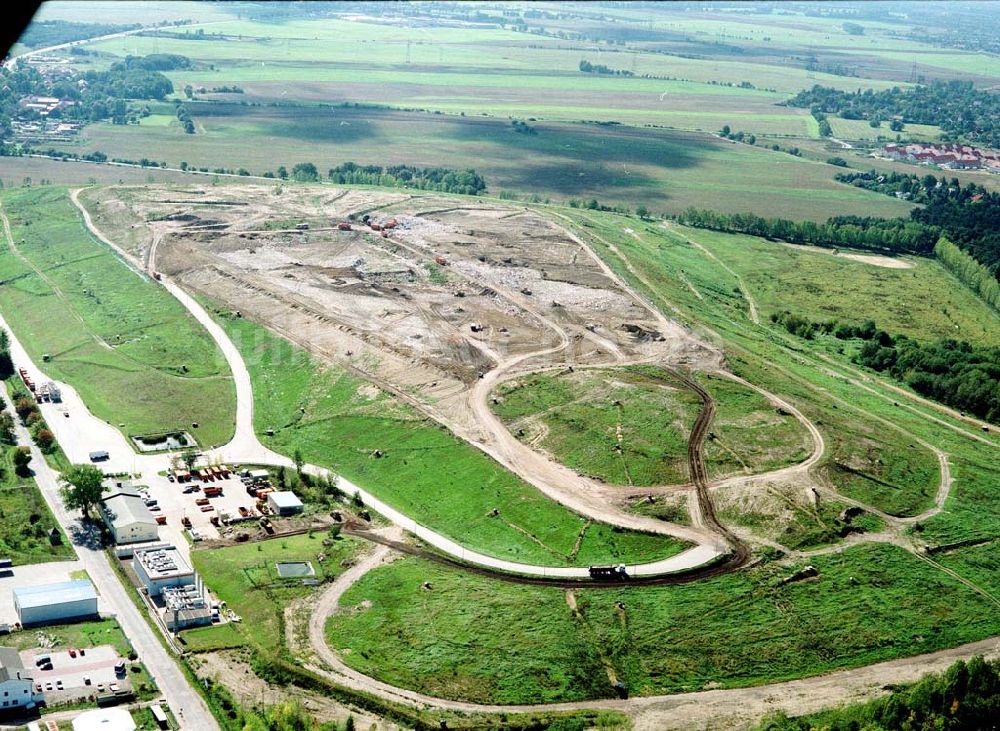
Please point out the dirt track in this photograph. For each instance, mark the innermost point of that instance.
(650, 712)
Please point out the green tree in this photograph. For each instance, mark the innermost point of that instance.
(304, 172)
(21, 458)
(82, 486)
(641, 211)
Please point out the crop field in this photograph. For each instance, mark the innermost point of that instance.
(860, 129)
(665, 170)
(338, 420)
(25, 519)
(134, 355)
(474, 639)
(630, 426)
(245, 578)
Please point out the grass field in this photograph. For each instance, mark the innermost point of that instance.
(244, 576)
(25, 519)
(336, 422)
(630, 426)
(134, 354)
(664, 170)
(860, 129)
(923, 301)
(866, 457)
(475, 639)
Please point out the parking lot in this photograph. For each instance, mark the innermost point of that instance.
(176, 501)
(94, 664)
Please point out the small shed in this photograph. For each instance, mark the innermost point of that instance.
(284, 502)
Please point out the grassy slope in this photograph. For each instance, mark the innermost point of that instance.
(923, 302)
(818, 387)
(585, 412)
(440, 481)
(136, 357)
(25, 519)
(471, 638)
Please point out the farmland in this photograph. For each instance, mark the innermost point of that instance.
(664, 170)
(134, 355)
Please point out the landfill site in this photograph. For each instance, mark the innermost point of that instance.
(428, 297)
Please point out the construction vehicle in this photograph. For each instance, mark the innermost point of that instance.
(212, 491)
(186, 522)
(344, 227)
(599, 573)
(440, 260)
(161, 520)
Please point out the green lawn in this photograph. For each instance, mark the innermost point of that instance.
(129, 348)
(336, 421)
(474, 639)
(244, 576)
(630, 426)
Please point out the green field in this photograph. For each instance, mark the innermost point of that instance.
(924, 301)
(871, 454)
(475, 639)
(860, 129)
(337, 422)
(630, 426)
(667, 171)
(244, 576)
(25, 519)
(130, 349)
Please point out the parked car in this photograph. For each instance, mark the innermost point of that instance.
(48, 686)
(72, 652)
(46, 666)
(86, 680)
(59, 685)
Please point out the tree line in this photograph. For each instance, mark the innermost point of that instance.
(965, 697)
(951, 372)
(969, 215)
(444, 180)
(887, 235)
(958, 107)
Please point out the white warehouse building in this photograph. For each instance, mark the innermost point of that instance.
(128, 518)
(284, 502)
(53, 603)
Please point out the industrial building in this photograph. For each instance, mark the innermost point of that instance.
(167, 577)
(16, 684)
(285, 502)
(53, 603)
(127, 517)
(161, 567)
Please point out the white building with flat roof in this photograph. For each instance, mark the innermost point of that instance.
(284, 502)
(52, 603)
(104, 719)
(161, 567)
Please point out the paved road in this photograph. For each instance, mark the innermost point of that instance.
(171, 681)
